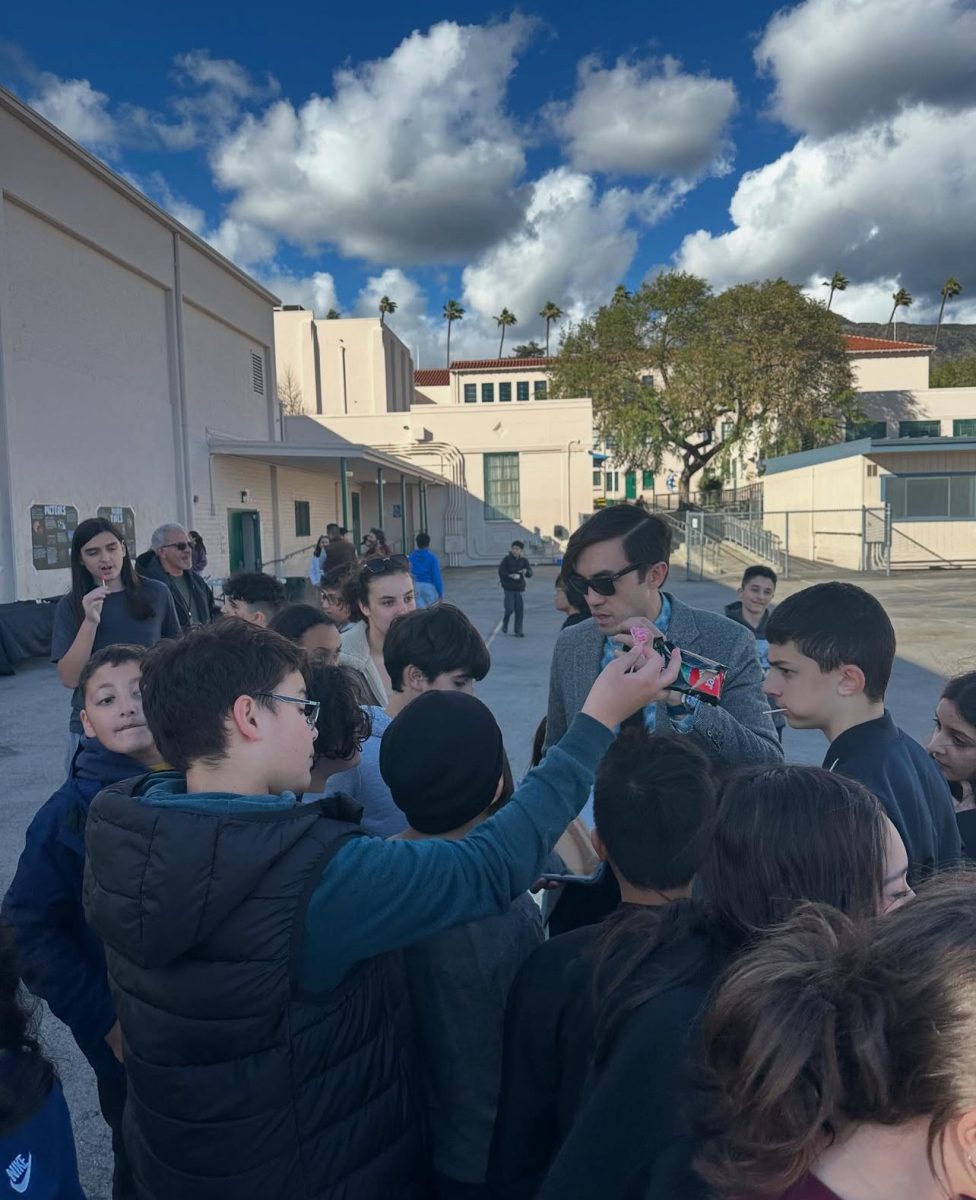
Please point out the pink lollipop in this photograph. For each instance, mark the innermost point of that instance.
(640, 635)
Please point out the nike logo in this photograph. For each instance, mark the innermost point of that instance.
(19, 1173)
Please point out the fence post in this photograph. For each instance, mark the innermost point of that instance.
(864, 539)
(786, 549)
(888, 539)
(687, 547)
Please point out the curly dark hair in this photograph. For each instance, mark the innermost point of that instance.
(343, 723)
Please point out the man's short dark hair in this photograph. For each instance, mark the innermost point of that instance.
(646, 536)
(423, 541)
(190, 684)
(653, 805)
(835, 624)
(111, 656)
(295, 620)
(434, 640)
(759, 571)
(333, 528)
(521, 545)
(261, 591)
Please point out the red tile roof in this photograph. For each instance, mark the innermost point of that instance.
(500, 364)
(435, 377)
(870, 345)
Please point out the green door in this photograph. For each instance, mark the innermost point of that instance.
(244, 528)
(630, 485)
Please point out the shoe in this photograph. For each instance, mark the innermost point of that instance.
(504, 630)
(520, 635)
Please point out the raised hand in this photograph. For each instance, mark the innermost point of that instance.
(632, 681)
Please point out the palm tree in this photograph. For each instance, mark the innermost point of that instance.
(452, 312)
(550, 312)
(333, 314)
(503, 320)
(386, 306)
(902, 299)
(950, 289)
(836, 283)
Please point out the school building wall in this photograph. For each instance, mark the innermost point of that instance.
(124, 340)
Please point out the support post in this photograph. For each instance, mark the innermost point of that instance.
(379, 498)
(403, 513)
(344, 490)
(786, 549)
(423, 507)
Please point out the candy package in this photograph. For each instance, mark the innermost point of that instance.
(701, 677)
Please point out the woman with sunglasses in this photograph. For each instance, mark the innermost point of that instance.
(381, 590)
(108, 604)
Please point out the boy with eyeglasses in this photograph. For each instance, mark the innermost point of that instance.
(619, 560)
(245, 934)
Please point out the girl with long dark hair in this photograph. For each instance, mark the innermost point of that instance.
(37, 1149)
(378, 592)
(953, 746)
(108, 604)
(841, 1057)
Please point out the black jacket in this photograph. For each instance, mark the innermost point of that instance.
(510, 565)
(242, 1085)
(909, 785)
(199, 588)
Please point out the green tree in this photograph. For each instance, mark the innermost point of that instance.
(386, 306)
(333, 314)
(527, 350)
(836, 283)
(957, 372)
(902, 299)
(452, 312)
(949, 290)
(674, 368)
(550, 312)
(503, 321)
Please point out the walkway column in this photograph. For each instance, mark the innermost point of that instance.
(403, 513)
(379, 498)
(344, 490)
(423, 507)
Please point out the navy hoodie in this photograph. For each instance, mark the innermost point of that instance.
(61, 960)
(909, 785)
(37, 1156)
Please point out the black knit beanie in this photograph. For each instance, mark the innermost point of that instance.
(442, 758)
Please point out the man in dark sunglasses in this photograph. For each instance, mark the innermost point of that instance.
(172, 564)
(618, 561)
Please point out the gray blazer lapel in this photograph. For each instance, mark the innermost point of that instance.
(683, 629)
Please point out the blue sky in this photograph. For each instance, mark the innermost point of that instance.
(511, 156)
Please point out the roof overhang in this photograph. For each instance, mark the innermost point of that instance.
(870, 448)
(362, 462)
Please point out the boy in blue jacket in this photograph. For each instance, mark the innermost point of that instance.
(61, 959)
(831, 650)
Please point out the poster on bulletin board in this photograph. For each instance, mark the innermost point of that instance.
(124, 519)
(52, 527)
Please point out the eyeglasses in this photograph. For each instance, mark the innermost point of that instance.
(176, 546)
(310, 708)
(603, 585)
(383, 566)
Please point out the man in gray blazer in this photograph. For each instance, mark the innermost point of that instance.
(619, 559)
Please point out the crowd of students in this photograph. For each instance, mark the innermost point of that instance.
(282, 900)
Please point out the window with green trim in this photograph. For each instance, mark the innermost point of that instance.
(865, 429)
(964, 428)
(647, 483)
(502, 499)
(470, 393)
(522, 389)
(303, 519)
(598, 479)
(910, 429)
(921, 497)
(504, 392)
(487, 393)
(541, 389)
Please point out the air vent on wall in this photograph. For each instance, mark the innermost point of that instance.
(257, 373)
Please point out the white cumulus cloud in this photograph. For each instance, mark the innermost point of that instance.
(887, 202)
(840, 63)
(78, 109)
(646, 118)
(412, 158)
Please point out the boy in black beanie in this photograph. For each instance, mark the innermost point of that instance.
(458, 980)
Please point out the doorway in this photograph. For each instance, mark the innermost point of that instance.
(245, 540)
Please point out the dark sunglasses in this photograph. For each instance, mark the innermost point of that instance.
(385, 566)
(176, 546)
(603, 585)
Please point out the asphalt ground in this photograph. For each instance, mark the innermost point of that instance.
(934, 617)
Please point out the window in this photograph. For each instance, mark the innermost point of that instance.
(865, 429)
(612, 481)
(909, 429)
(257, 373)
(522, 390)
(872, 470)
(965, 428)
(647, 483)
(303, 519)
(541, 389)
(470, 393)
(487, 393)
(502, 501)
(598, 479)
(920, 497)
(504, 392)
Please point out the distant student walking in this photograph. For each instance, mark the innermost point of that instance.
(426, 570)
(513, 571)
